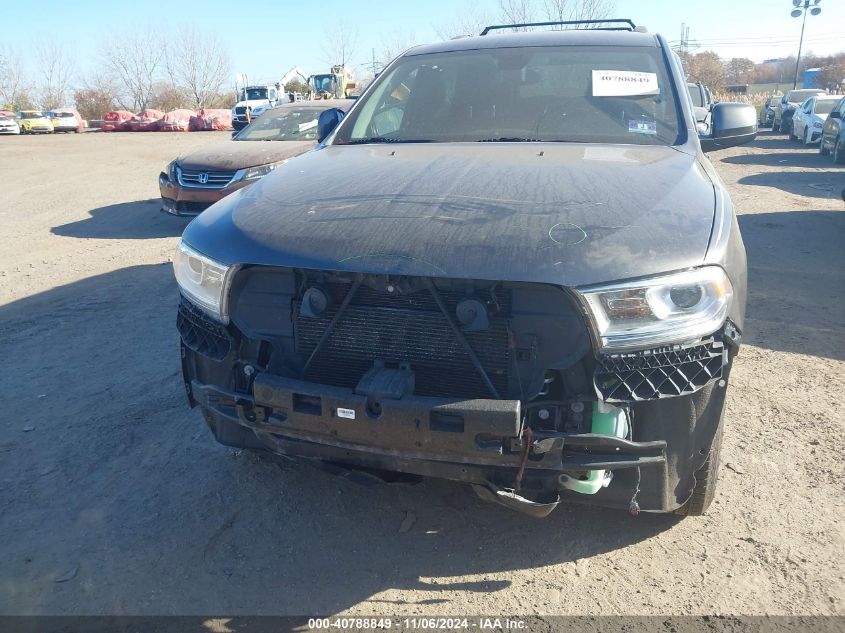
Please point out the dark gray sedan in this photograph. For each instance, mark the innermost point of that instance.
(510, 265)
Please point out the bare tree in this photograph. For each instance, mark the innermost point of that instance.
(16, 92)
(199, 64)
(469, 19)
(592, 9)
(136, 59)
(55, 65)
(340, 44)
(96, 97)
(517, 12)
(568, 10)
(392, 46)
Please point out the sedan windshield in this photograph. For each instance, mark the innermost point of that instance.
(695, 93)
(283, 124)
(586, 94)
(825, 106)
(798, 96)
(32, 115)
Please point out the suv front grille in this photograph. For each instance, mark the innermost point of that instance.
(212, 179)
(659, 373)
(409, 329)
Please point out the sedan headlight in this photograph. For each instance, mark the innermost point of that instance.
(817, 124)
(669, 309)
(203, 281)
(254, 173)
(170, 170)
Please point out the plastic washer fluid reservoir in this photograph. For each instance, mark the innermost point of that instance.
(607, 420)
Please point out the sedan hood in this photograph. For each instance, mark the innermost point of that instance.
(234, 155)
(558, 213)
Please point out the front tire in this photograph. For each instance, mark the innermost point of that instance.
(822, 149)
(838, 152)
(792, 136)
(807, 137)
(706, 478)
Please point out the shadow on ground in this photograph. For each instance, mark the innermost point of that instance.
(128, 220)
(796, 281)
(812, 184)
(159, 518)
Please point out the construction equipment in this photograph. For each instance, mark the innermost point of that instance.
(337, 84)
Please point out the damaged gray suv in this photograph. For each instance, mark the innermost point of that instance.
(510, 264)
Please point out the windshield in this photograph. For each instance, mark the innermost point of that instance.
(5, 119)
(695, 93)
(324, 83)
(31, 115)
(825, 106)
(800, 96)
(598, 94)
(283, 124)
(255, 94)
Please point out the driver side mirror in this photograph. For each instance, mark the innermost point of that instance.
(327, 122)
(731, 124)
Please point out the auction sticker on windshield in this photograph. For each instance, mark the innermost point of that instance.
(624, 83)
(642, 127)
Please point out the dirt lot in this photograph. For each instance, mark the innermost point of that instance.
(111, 485)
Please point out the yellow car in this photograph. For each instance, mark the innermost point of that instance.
(34, 122)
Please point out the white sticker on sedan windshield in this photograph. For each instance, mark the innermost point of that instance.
(642, 127)
(346, 413)
(624, 83)
(307, 126)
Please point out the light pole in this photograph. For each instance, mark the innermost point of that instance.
(802, 7)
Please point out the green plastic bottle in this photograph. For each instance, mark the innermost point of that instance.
(607, 420)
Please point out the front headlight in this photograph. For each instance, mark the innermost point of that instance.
(203, 281)
(817, 124)
(669, 309)
(254, 173)
(170, 170)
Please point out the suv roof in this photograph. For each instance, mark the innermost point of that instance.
(571, 37)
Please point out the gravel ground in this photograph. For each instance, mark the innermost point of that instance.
(115, 499)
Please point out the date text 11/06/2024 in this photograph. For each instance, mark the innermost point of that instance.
(416, 624)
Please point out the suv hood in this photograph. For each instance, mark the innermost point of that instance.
(234, 155)
(558, 213)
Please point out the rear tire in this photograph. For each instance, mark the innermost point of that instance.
(706, 478)
(822, 150)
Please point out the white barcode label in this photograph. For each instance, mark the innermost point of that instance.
(346, 413)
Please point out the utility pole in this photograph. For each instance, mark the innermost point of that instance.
(802, 7)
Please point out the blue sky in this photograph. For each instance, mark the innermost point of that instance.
(265, 39)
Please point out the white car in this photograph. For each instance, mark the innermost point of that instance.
(65, 120)
(8, 125)
(809, 118)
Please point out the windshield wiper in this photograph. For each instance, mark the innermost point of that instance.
(384, 139)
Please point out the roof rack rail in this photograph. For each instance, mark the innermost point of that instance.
(629, 25)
